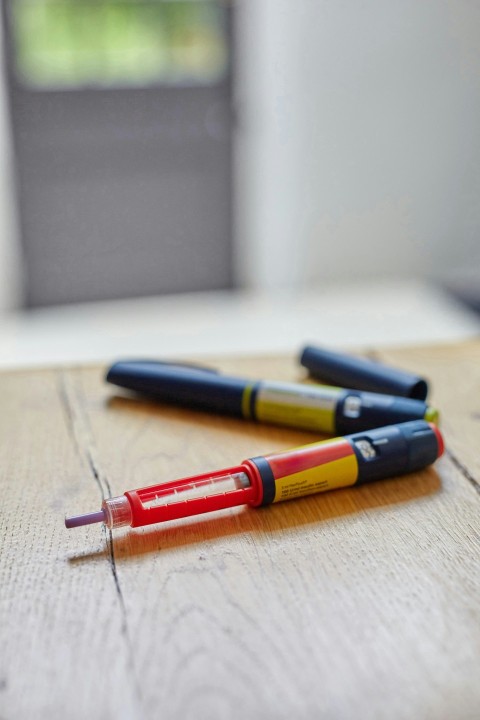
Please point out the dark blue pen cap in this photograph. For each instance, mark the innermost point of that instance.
(342, 370)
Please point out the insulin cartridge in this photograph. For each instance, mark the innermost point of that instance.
(327, 465)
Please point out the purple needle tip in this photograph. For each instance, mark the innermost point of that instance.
(87, 519)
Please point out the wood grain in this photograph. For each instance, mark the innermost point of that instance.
(356, 603)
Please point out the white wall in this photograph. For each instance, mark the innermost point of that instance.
(360, 145)
(10, 266)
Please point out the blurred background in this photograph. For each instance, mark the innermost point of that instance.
(157, 147)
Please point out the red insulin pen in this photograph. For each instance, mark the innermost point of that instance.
(340, 462)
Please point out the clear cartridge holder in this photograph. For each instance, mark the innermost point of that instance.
(182, 498)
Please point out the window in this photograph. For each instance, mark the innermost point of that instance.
(77, 43)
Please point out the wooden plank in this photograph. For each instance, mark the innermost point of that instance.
(357, 603)
(60, 617)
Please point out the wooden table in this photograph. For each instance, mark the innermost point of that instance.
(359, 603)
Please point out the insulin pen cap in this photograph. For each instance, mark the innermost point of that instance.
(353, 372)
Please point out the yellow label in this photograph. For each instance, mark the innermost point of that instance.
(307, 407)
(335, 474)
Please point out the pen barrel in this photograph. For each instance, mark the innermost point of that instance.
(188, 386)
(358, 458)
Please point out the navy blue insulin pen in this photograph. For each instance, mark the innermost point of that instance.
(308, 407)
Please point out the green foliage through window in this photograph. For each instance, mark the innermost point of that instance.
(85, 43)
